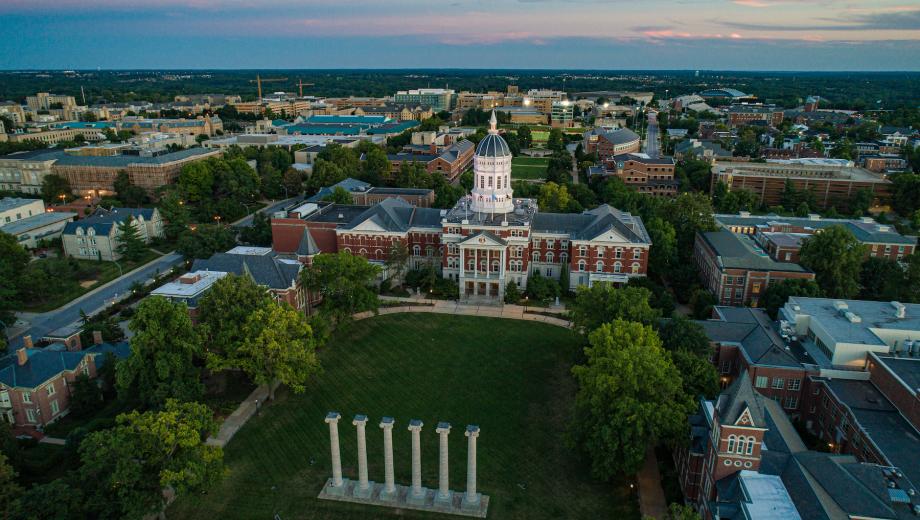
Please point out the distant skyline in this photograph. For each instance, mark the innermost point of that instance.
(817, 35)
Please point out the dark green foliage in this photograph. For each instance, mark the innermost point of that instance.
(512, 293)
(259, 233)
(541, 288)
(129, 194)
(836, 257)
(130, 244)
(85, 397)
(776, 294)
(205, 240)
(55, 189)
(604, 302)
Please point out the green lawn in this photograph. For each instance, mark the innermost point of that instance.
(92, 274)
(512, 378)
(531, 168)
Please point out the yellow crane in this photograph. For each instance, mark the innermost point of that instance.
(258, 81)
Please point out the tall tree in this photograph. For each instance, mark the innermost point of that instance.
(126, 468)
(130, 245)
(339, 195)
(10, 490)
(55, 188)
(129, 194)
(205, 240)
(663, 253)
(629, 395)
(776, 294)
(259, 232)
(554, 198)
(279, 348)
(881, 279)
(397, 260)
(836, 257)
(175, 214)
(376, 166)
(164, 350)
(196, 181)
(222, 313)
(603, 302)
(346, 283)
(13, 262)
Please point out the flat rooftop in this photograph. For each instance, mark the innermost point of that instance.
(872, 314)
(896, 438)
(907, 369)
(8, 203)
(179, 289)
(800, 168)
(250, 250)
(741, 252)
(36, 222)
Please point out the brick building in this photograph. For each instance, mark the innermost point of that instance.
(363, 194)
(736, 270)
(35, 384)
(781, 237)
(489, 239)
(832, 182)
(743, 115)
(450, 162)
(610, 142)
(654, 176)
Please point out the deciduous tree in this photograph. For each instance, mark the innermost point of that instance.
(223, 312)
(836, 257)
(345, 282)
(164, 350)
(629, 396)
(604, 302)
(126, 468)
(279, 348)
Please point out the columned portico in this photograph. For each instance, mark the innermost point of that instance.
(483, 260)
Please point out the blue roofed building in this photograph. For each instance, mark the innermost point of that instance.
(36, 384)
(96, 237)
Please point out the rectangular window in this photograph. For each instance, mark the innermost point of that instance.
(27, 397)
(778, 383)
(50, 389)
(600, 252)
(637, 254)
(739, 293)
(30, 415)
(792, 402)
(729, 280)
(761, 382)
(55, 408)
(550, 244)
(795, 384)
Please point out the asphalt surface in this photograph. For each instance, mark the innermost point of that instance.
(247, 220)
(42, 324)
(652, 148)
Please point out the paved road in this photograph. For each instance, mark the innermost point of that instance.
(651, 136)
(271, 208)
(42, 324)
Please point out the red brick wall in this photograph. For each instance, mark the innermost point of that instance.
(906, 401)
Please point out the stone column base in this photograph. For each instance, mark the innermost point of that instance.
(417, 499)
(446, 502)
(387, 496)
(357, 492)
(401, 499)
(468, 505)
(330, 489)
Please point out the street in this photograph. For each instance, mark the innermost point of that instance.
(42, 324)
(651, 136)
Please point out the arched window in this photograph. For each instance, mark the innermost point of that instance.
(363, 252)
(564, 258)
(617, 267)
(471, 264)
(416, 250)
(536, 256)
(749, 448)
(635, 268)
(581, 265)
(378, 254)
(79, 231)
(496, 266)
(600, 267)
(549, 256)
(429, 251)
(731, 443)
(91, 232)
(348, 250)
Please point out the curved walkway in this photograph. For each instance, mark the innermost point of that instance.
(511, 312)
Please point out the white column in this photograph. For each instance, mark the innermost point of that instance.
(389, 486)
(462, 262)
(471, 498)
(415, 426)
(444, 493)
(360, 421)
(332, 419)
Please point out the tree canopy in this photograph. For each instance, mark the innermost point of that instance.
(345, 282)
(223, 311)
(164, 351)
(629, 395)
(603, 302)
(836, 257)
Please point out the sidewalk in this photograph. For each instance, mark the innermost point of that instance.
(652, 503)
(239, 417)
(513, 312)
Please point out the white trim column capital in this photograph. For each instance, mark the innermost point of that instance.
(332, 419)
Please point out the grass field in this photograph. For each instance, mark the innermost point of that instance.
(530, 168)
(512, 378)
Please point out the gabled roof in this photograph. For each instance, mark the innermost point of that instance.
(740, 396)
(266, 270)
(487, 235)
(307, 246)
(43, 364)
(104, 219)
(395, 214)
(593, 223)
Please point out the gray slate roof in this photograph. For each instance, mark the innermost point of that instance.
(266, 270)
(590, 224)
(307, 246)
(867, 232)
(738, 397)
(104, 219)
(740, 252)
(43, 364)
(398, 215)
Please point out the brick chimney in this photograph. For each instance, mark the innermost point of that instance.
(97, 337)
(433, 148)
(21, 357)
(27, 341)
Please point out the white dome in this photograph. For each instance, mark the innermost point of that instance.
(493, 145)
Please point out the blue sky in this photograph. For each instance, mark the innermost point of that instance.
(596, 34)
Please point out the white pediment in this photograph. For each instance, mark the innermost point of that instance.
(370, 224)
(481, 240)
(745, 418)
(610, 236)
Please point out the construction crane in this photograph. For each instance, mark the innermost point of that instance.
(301, 84)
(258, 81)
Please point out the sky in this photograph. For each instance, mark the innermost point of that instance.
(511, 34)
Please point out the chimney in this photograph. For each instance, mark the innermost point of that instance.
(97, 337)
(21, 357)
(27, 341)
